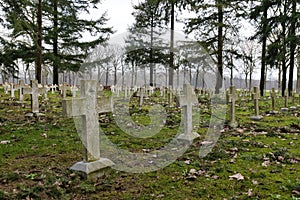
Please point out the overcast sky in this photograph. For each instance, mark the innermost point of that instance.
(118, 12)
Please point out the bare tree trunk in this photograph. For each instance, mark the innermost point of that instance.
(171, 67)
(39, 44)
(123, 76)
(298, 74)
(279, 76)
(263, 52)
(219, 74)
(132, 75)
(107, 76)
(145, 78)
(135, 75)
(191, 75)
(178, 77)
(197, 77)
(292, 48)
(246, 80)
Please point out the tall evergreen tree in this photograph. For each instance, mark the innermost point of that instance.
(144, 43)
(63, 30)
(214, 26)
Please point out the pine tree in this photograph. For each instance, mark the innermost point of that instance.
(145, 43)
(215, 25)
(62, 29)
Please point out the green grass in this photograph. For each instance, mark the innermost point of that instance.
(35, 161)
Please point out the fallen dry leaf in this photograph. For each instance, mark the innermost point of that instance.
(5, 142)
(237, 176)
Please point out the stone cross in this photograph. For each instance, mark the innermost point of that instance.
(6, 87)
(286, 98)
(21, 86)
(187, 100)
(53, 88)
(255, 97)
(45, 90)
(88, 106)
(232, 97)
(142, 91)
(74, 90)
(12, 90)
(100, 90)
(273, 97)
(34, 91)
(63, 90)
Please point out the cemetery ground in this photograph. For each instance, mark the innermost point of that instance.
(256, 160)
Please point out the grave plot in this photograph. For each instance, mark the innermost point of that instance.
(260, 158)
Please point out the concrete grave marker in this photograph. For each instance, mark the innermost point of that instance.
(6, 87)
(286, 100)
(141, 95)
(21, 87)
(74, 90)
(53, 88)
(293, 101)
(12, 90)
(88, 106)
(34, 91)
(255, 98)
(273, 98)
(186, 102)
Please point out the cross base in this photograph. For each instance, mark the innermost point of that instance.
(274, 112)
(35, 114)
(293, 108)
(188, 137)
(256, 118)
(94, 169)
(233, 124)
(284, 110)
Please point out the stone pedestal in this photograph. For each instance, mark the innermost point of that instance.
(92, 169)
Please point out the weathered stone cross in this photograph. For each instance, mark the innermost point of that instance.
(255, 97)
(88, 106)
(273, 97)
(34, 91)
(186, 102)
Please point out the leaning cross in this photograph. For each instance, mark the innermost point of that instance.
(186, 102)
(88, 106)
(34, 91)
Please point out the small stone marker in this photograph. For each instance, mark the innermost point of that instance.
(186, 102)
(63, 90)
(255, 97)
(273, 98)
(100, 90)
(74, 90)
(34, 91)
(286, 100)
(12, 90)
(6, 87)
(53, 88)
(293, 101)
(232, 99)
(141, 94)
(21, 86)
(88, 106)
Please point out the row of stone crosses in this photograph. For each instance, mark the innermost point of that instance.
(92, 101)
